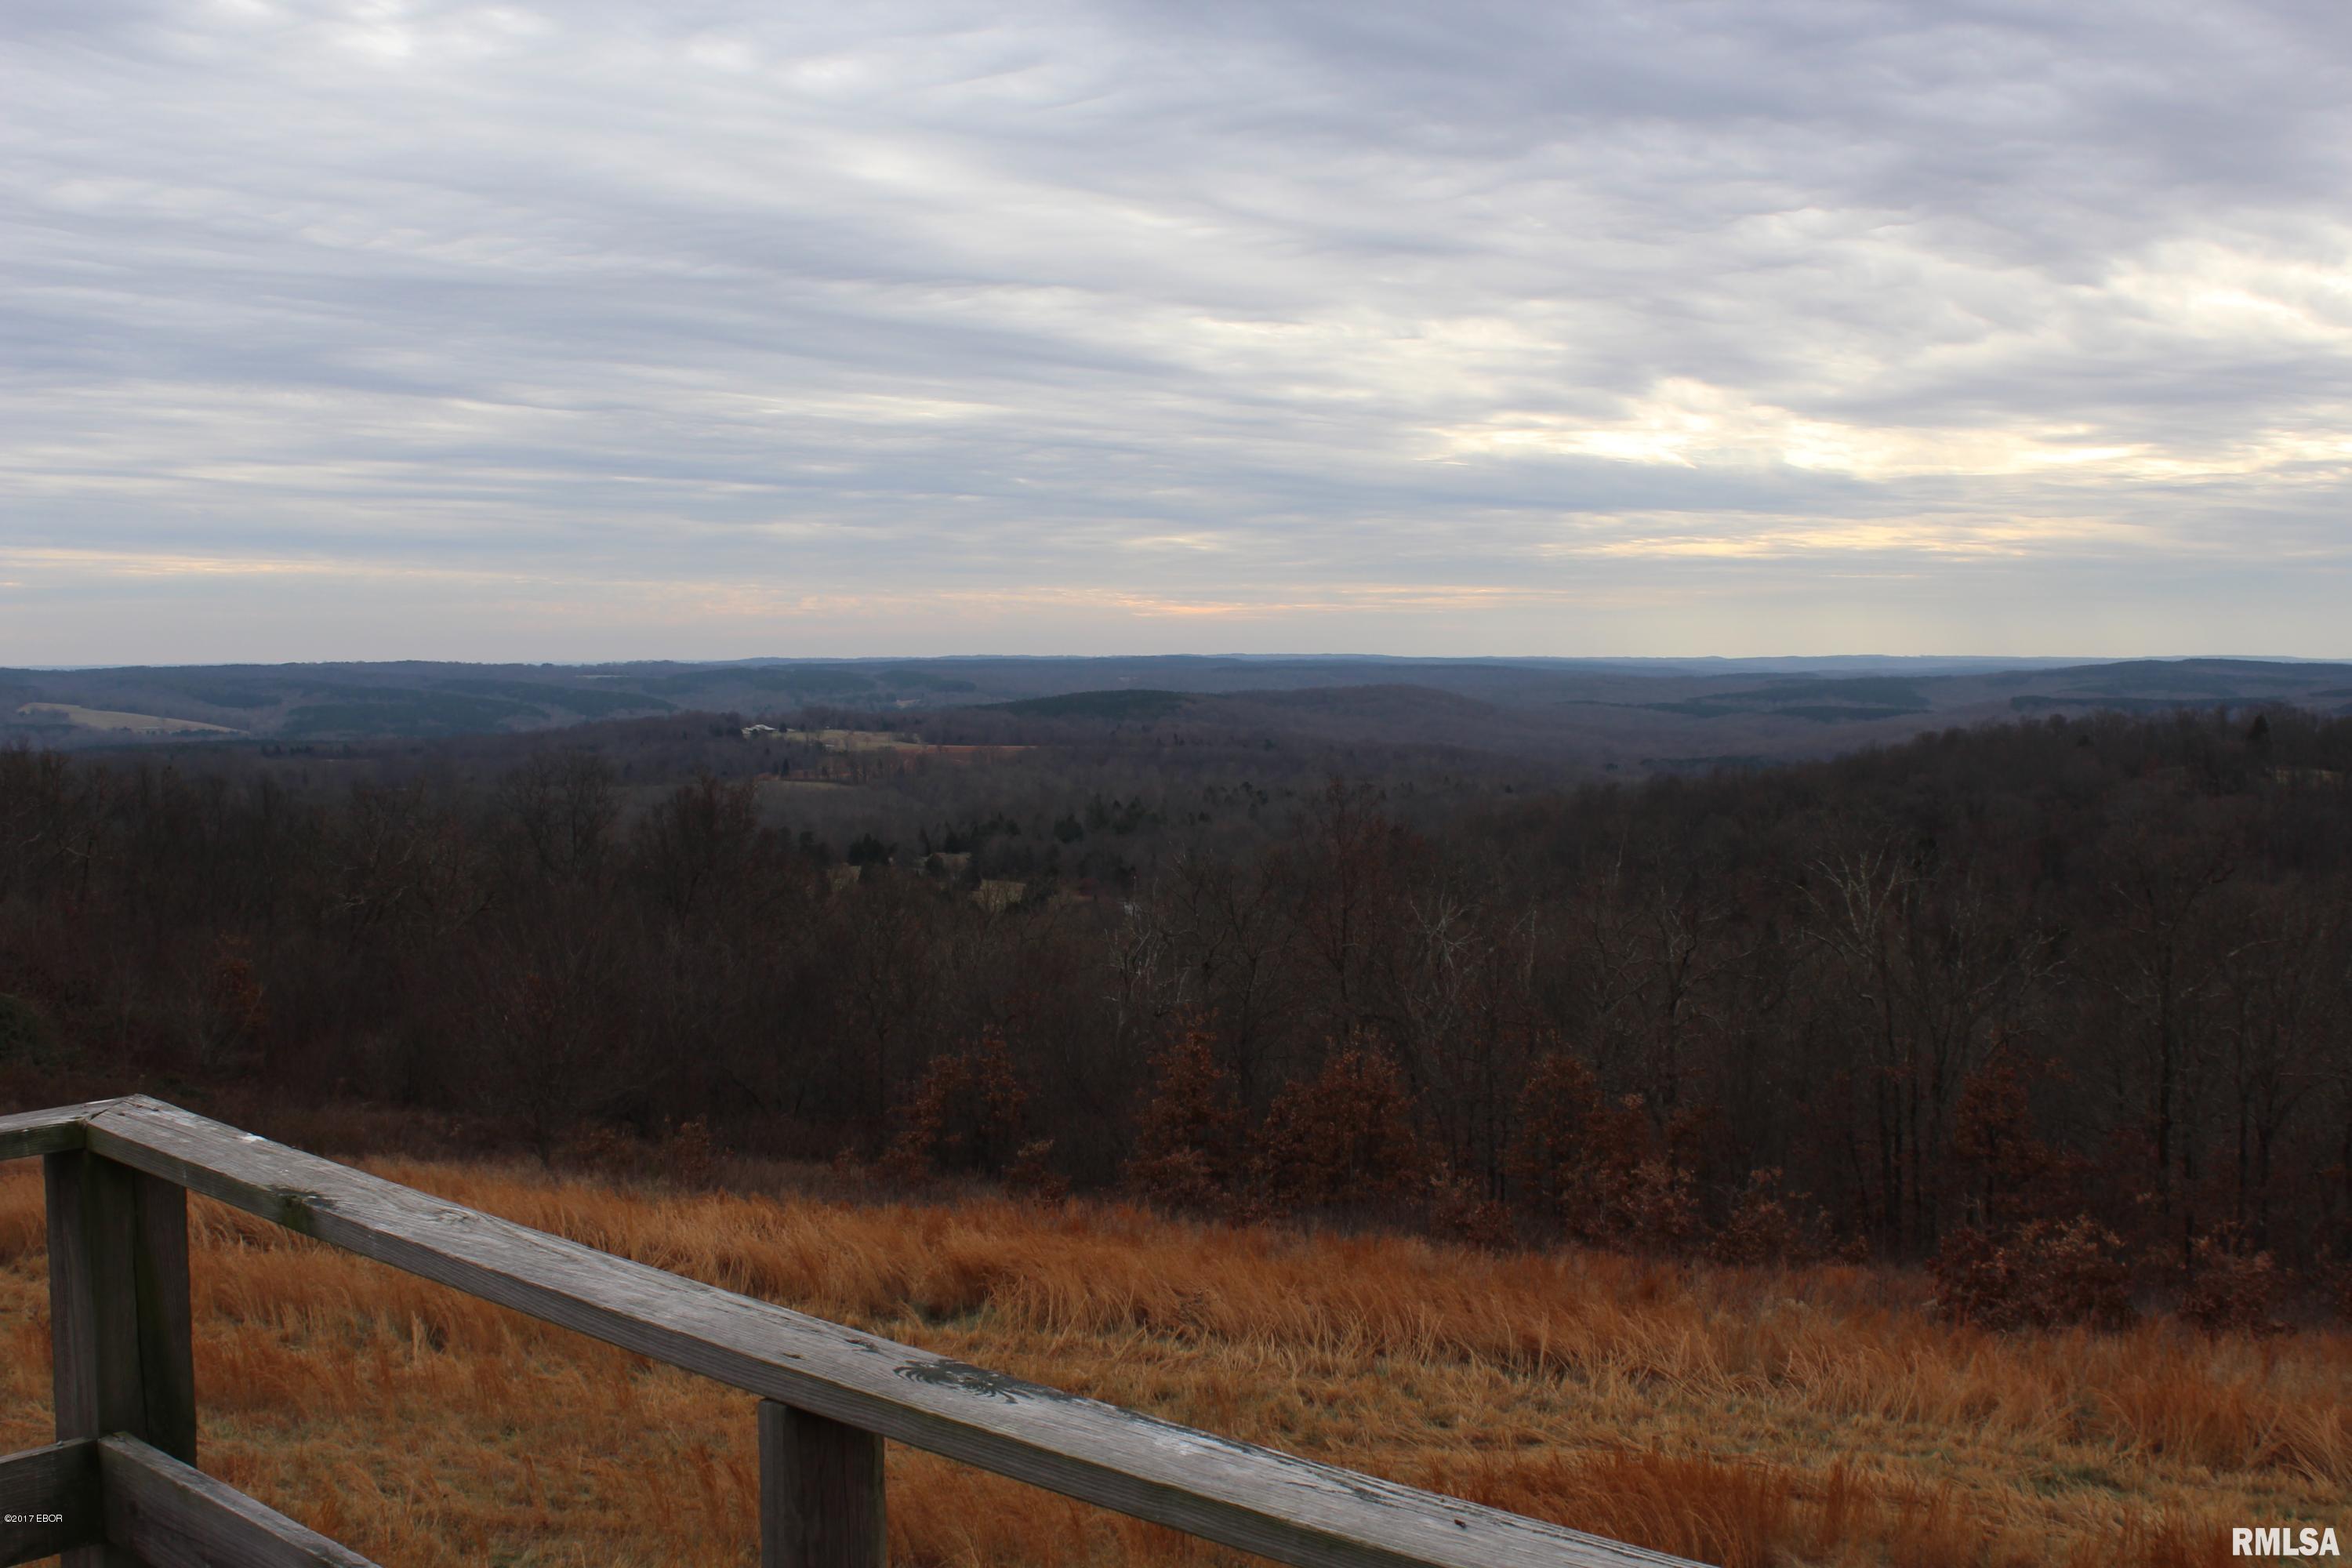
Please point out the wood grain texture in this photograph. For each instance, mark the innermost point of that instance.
(166, 1347)
(1258, 1499)
(820, 1492)
(122, 1351)
(60, 1479)
(166, 1514)
(93, 1297)
(44, 1131)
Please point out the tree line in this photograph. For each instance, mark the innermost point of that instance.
(1982, 997)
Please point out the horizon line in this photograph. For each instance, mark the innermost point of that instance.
(1254, 657)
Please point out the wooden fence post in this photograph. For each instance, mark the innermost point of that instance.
(119, 1326)
(820, 1492)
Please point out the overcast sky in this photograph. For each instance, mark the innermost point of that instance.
(701, 330)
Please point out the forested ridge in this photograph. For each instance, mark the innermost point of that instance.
(2073, 994)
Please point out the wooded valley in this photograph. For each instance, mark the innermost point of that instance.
(2060, 1007)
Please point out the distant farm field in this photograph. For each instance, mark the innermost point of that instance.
(884, 741)
(129, 723)
(857, 740)
(1760, 1419)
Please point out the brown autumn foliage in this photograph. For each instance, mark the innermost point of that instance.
(1456, 1210)
(966, 1117)
(1823, 1422)
(2007, 1174)
(1032, 1173)
(1341, 1138)
(686, 1155)
(2042, 1274)
(1188, 1134)
(1607, 1174)
(1557, 1110)
(2233, 1288)
(1768, 1224)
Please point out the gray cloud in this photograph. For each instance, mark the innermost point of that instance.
(380, 328)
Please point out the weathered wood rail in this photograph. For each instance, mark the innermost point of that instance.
(119, 1489)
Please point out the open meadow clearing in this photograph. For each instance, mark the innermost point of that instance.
(1749, 1418)
(123, 723)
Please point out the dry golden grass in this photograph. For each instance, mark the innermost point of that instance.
(1808, 1417)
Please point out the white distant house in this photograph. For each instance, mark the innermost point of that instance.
(751, 729)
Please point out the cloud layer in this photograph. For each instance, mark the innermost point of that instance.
(444, 329)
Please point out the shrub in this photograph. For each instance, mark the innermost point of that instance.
(1182, 1178)
(1344, 1136)
(2078, 1273)
(1032, 1173)
(1598, 1168)
(687, 1155)
(1559, 1101)
(2231, 1289)
(1457, 1211)
(1652, 1209)
(1766, 1225)
(2041, 1275)
(1188, 1134)
(1976, 1280)
(965, 1115)
(604, 1149)
(684, 1155)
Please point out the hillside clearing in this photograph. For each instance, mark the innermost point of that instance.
(126, 724)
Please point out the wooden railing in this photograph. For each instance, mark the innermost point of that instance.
(119, 1489)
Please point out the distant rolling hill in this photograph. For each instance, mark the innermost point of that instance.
(1639, 714)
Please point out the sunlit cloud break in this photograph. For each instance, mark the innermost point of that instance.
(385, 329)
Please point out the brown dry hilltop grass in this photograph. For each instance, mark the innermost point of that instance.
(1755, 1419)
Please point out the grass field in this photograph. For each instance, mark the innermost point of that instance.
(856, 740)
(1745, 1419)
(126, 723)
